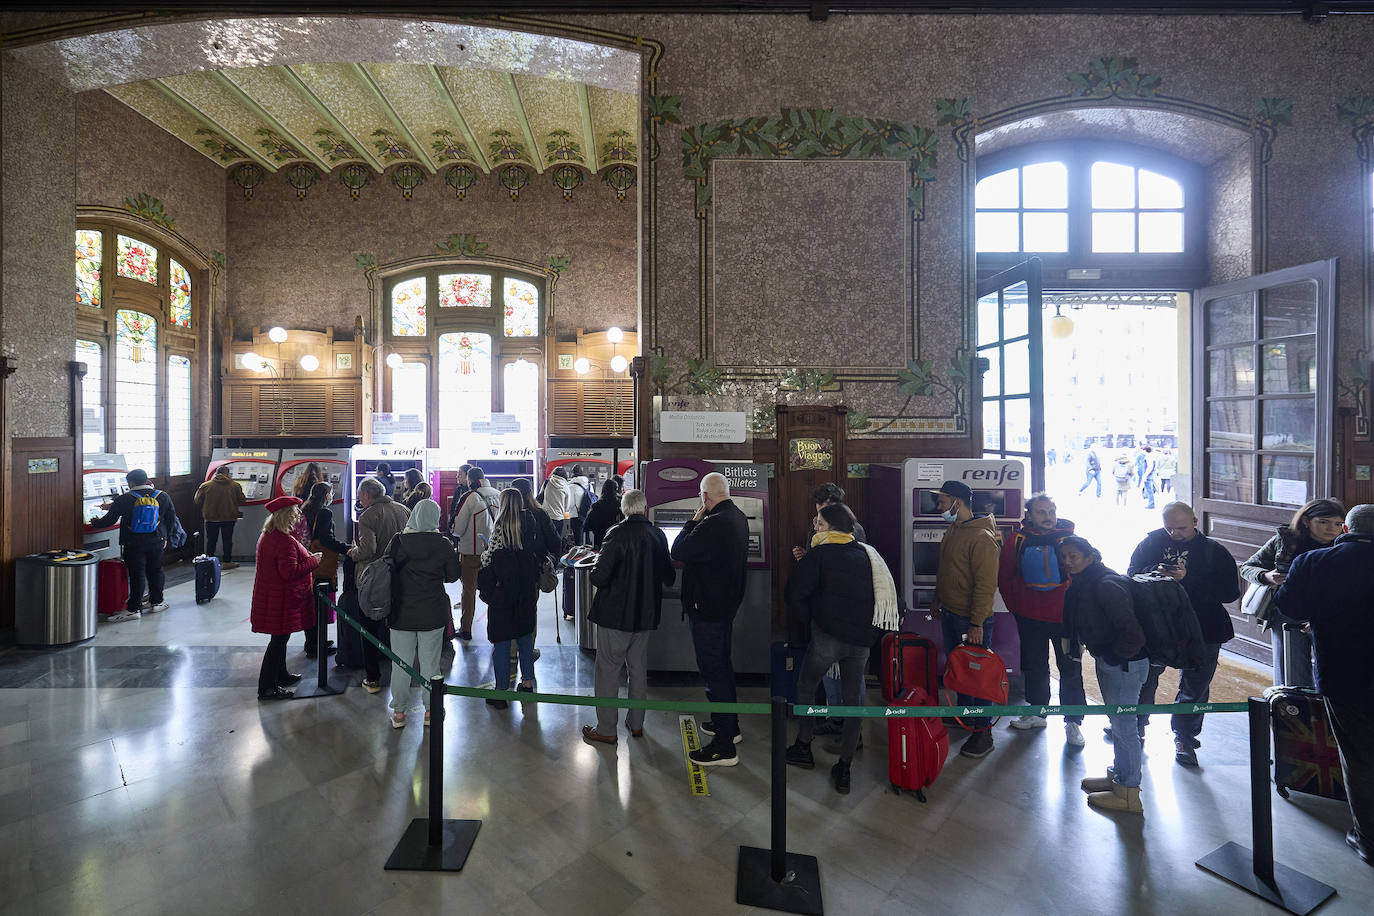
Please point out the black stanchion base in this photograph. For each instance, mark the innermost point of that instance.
(1291, 890)
(414, 853)
(800, 892)
(312, 689)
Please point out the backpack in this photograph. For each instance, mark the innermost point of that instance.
(1173, 637)
(375, 587)
(1039, 562)
(144, 518)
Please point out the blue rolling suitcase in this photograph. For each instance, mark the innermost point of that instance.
(207, 577)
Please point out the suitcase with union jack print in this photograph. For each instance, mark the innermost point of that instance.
(1306, 758)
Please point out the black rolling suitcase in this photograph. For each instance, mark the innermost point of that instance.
(1306, 758)
(350, 641)
(207, 577)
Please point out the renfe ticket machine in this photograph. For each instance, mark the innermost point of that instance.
(333, 464)
(672, 488)
(102, 479)
(256, 471)
(365, 458)
(902, 502)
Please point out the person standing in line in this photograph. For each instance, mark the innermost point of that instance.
(460, 489)
(1208, 574)
(1092, 472)
(380, 520)
(306, 482)
(1099, 616)
(146, 518)
(219, 499)
(416, 488)
(1332, 588)
(630, 573)
(509, 581)
(1316, 524)
(605, 514)
(965, 582)
(320, 521)
(713, 548)
(582, 501)
(281, 591)
(384, 477)
(472, 525)
(1033, 584)
(424, 560)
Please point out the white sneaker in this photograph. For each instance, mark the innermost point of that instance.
(1073, 734)
(123, 616)
(158, 608)
(1029, 722)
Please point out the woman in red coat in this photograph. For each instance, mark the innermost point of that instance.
(281, 594)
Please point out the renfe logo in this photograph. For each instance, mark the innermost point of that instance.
(1005, 474)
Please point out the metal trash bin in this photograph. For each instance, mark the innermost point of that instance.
(55, 597)
(585, 591)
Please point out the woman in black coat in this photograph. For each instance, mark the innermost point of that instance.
(509, 584)
(605, 513)
(320, 523)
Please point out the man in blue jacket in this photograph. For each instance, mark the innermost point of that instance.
(146, 517)
(1333, 589)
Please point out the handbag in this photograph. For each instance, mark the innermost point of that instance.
(548, 577)
(979, 672)
(1258, 602)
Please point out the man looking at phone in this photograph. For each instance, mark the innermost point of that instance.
(1207, 572)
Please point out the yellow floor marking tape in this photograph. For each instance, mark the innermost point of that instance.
(696, 775)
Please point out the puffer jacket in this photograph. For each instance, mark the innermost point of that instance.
(832, 587)
(1098, 614)
(424, 560)
(282, 602)
(966, 578)
(629, 575)
(377, 525)
(558, 499)
(1034, 604)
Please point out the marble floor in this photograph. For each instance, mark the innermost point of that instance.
(138, 774)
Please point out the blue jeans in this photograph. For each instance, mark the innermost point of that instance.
(1093, 475)
(712, 640)
(1194, 686)
(1148, 491)
(953, 627)
(1121, 687)
(500, 660)
(1303, 672)
(1035, 665)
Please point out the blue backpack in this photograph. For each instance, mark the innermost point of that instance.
(146, 512)
(1040, 563)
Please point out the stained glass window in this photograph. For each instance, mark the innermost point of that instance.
(520, 394)
(464, 386)
(522, 308)
(135, 403)
(464, 291)
(92, 395)
(408, 308)
(89, 249)
(179, 409)
(179, 295)
(136, 260)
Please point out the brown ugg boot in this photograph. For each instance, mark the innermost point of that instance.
(1119, 798)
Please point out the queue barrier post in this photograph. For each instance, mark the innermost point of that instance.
(322, 687)
(434, 843)
(775, 878)
(1254, 869)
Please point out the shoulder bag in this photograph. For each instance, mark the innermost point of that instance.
(1258, 602)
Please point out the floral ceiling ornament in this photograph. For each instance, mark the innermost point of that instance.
(621, 178)
(619, 147)
(447, 147)
(334, 147)
(407, 177)
(514, 178)
(561, 147)
(465, 246)
(247, 176)
(566, 178)
(390, 147)
(461, 178)
(301, 176)
(216, 145)
(148, 207)
(277, 146)
(355, 177)
(1113, 76)
(503, 145)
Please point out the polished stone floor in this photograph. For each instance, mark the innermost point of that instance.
(138, 774)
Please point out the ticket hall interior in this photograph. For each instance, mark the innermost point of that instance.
(876, 245)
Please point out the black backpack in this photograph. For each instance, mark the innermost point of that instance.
(1173, 637)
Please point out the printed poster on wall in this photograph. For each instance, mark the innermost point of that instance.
(811, 455)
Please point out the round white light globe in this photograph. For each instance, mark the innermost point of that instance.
(582, 365)
(394, 360)
(253, 362)
(309, 362)
(1061, 327)
(277, 335)
(619, 363)
(615, 335)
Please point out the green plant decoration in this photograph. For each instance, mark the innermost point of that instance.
(503, 145)
(558, 263)
(855, 420)
(148, 207)
(448, 147)
(277, 146)
(953, 112)
(1274, 111)
(1355, 111)
(619, 147)
(365, 262)
(663, 110)
(703, 377)
(920, 378)
(809, 380)
(462, 245)
(390, 147)
(334, 147)
(1113, 76)
(660, 371)
(763, 421)
(217, 258)
(562, 147)
(217, 146)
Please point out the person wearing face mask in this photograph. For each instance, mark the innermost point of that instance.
(1317, 524)
(965, 582)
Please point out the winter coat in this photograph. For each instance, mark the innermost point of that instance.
(1098, 614)
(378, 524)
(219, 499)
(1333, 589)
(473, 520)
(424, 561)
(1278, 553)
(558, 500)
(418, 492)
(714, 554)
(832, 587)
(966, 578)
(509, 582)
(604, 514)
(282, 602)
(322, 533)
(1020, 599)
(629, 575)
(1209, 577)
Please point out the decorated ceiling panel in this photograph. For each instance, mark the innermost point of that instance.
(427, 118)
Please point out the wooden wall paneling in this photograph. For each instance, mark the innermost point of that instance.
(41, 510)
(1356, 460)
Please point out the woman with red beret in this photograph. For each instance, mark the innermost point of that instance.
(281, 594)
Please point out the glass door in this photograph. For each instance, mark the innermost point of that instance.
(1009, 338)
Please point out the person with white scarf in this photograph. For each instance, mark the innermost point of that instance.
(841, 589)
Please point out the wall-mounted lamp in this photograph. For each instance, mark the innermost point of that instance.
(309, 362)
(619, 363)
(253, 362)
(615, 335)
(277, 335)
(394, 360)
(582, 365)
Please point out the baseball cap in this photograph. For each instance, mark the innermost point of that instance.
(957, 490)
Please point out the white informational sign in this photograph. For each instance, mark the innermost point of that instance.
(499, 424)
(702, 426)
(1292, 492)
(397, 427)
(927, 471)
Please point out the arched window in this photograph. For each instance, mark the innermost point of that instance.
(137, 310)
(1089, 205)
(469, 341)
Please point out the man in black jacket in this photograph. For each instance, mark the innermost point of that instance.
(713, 549)
(629, 576)
(143, 533)
(1333, 588)
(1208, 574)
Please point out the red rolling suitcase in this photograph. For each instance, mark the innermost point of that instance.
(111, 586)
(916, 748)
(908, 661)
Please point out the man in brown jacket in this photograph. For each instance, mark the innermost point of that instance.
(965, 582)
(381, 518)
(219, 499)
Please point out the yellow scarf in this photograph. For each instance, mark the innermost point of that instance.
(830, 537)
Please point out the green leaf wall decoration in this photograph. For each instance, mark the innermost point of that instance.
(465, 245)
(1113, 76)
(1355, 111)
(148, 207)
(558, 263)
(953, 112)
(217, 258)
(365, 262)
(1274, 111)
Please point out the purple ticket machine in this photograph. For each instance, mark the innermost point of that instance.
(672, 488)
(907, 530)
